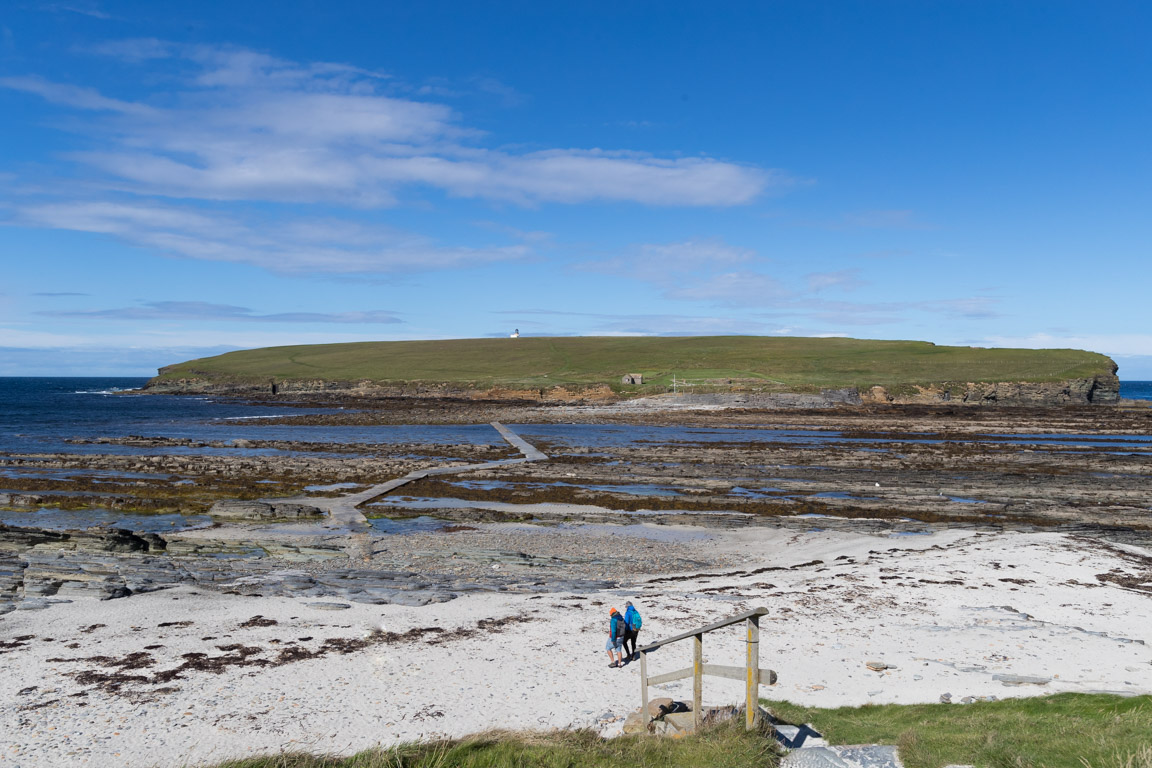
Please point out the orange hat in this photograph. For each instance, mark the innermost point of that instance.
(612, 611)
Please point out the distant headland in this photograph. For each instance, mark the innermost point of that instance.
(760, 370)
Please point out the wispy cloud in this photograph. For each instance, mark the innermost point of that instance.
(845, 279)
(205, 311)
(663, 262)
(164, 336)
(609, 324)
(84, 9)
(50, 294)
(249, 126)
(732, 288)
(976, 307)
(306, 245)
(75, 96)
(695, 270)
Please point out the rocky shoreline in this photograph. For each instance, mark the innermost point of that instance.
(887, 471)
(1101, 389)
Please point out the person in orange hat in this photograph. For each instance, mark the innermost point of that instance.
(616, 629)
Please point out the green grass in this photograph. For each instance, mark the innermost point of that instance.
(1063, 731)
(725, 747)
(1073, 730)
(768, 364)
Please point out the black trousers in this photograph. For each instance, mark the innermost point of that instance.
(630, 637)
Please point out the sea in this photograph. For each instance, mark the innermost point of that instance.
(47, 415)
(62, 415)
(1136, 390)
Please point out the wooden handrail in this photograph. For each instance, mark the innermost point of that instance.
(704, 630)
(751, 673)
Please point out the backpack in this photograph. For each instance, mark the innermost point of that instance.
(636, 621)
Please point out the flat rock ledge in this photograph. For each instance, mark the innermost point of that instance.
(234, 509)
(38, 567)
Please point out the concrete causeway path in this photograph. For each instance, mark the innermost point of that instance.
(531, 453)
(344, 511)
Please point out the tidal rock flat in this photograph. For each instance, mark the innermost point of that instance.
(166, 599)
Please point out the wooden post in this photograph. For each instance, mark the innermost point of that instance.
(752, 676)
(697, 681)
(645, 717)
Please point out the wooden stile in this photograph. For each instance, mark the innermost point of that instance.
(750, 673)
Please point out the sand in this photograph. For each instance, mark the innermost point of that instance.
(948, 613)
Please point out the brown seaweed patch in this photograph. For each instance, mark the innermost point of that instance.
(782, 507)
(16, 642)
(239, 655)
(259, 621)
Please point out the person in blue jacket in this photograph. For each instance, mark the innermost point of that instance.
(616, 628)
(632, 623)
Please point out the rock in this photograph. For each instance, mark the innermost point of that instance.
(328, 606)
(664, 705)
(878, 666)
(235, 509)
(635, 723)
(1022, 680)
(31, 604)
(813, 757)
(945, 698)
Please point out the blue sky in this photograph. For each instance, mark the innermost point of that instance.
(184, 178)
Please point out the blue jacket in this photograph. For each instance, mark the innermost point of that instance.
(632, 617)
(616, 626)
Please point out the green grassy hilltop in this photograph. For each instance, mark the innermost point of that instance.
(743, 362)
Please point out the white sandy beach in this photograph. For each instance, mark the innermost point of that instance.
(949, 612)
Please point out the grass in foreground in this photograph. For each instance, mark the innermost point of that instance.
(725, 747)
(1074, 730)
(1062, 731)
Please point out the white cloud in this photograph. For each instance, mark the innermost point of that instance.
(134, 50)
(74, 96)
(317, 245)
(207, 311)
(732, 288)
(162, 338)
(666, 263)
(845, 279)
(250, 126)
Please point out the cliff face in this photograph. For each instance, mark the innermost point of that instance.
(1103, 389)
(220, 386)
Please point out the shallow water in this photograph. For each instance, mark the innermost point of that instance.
(49, 473)
(78, 520)
(40, 415)
(422, 524)
(330, 487)
(424, 502)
